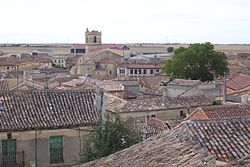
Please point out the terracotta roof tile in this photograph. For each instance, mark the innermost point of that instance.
(226, 139)
(239, 82)
(193, 143)
(149, 129)
(169, 148)
(47, 110)
(220, 112)
(3, 85)
(184, 82)
(161, 103)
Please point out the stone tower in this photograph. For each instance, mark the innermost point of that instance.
(93, 40)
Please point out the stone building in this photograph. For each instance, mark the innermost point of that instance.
(45, 128)
(93, 40)
(140, 66)
(162, 107)
(101, 63)
(99, 60)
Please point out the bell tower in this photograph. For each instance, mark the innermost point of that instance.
(93, 40)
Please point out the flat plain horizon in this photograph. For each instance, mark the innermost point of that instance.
(140, 21)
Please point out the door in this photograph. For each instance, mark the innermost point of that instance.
(9, 152)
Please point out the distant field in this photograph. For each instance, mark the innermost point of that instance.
(59, 49)
(220, 47)
(233, 48)
(18, 50)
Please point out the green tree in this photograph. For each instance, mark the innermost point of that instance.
(198, 61)
(107, 138)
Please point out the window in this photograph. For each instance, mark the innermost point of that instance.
(55, 61)
(94, 39)
(9, 152)
(151, 71)
(59, 61)
(131, 71)
(182, 114)
(144, 71)
(56, 149)
(72, 50)
(139, 71)
(157, 70)
(135, 71)
(122, 71)
(8, 68)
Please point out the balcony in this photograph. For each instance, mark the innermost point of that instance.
(12, 159)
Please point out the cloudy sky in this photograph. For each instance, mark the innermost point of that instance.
(130, 21)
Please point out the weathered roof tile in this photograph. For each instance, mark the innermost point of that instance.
(47, 110)
(220, 112)
(193, 143)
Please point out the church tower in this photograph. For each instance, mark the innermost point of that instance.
(93, 40)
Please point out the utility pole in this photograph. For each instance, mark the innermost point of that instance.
(17, 77)
(46, 87)
(225, 87)
(35, 148)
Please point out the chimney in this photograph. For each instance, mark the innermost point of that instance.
(99, 103)
(188, 112)
(165, 95)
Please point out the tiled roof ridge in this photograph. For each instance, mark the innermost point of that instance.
(28, 83)
(198, 109)
(89, 54)
(246, 118)
(226, 139)
(50, 91)
(221, 106)
(162, 103)
(111, 50)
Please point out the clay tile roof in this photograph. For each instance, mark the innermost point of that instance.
(6, 61)
(152, 82)
(3, 85)
(161, 103)
(109, 85)
(243, 54)
(78, 46)
(193, 143)
(184, 82)
(149, 129)
(239, 82)
(220, 112)
(47, 110)
(169, 148)
(226, 139)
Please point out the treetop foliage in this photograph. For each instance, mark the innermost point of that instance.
(197, 62)
(107, 138)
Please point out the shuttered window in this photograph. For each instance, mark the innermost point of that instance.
(56, 149)
(9, 152)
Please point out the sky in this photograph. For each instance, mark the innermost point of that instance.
(130, 21)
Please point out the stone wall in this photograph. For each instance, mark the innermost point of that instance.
(25, 141)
